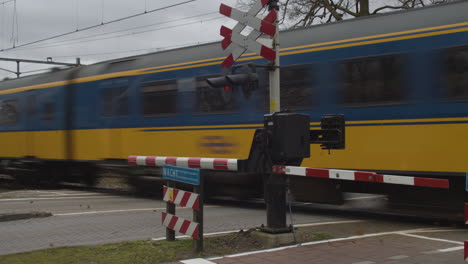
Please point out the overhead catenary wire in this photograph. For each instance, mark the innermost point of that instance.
(138, 50)
(7, 2)
(136, 33)
(82, 39)
(128, 34)
(98, 25)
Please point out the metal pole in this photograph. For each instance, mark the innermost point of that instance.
(275, 105)
(170, 209)
(276, 204)
(198, 215)
(18, 69)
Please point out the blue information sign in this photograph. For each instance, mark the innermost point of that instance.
(180, 174)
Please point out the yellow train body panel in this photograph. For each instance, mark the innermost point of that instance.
(423, 147)
(13, 144)
(432, 148)
(414, 147)
(99, 144)
(40, 144)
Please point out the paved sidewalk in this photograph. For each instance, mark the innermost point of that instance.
(389, 249)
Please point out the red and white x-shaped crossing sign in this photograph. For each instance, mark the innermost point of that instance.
(236, 43)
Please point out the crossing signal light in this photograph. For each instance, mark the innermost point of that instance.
(247, 81)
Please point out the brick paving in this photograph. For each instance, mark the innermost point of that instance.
(388, 249)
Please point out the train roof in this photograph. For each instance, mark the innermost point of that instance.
(442, 14)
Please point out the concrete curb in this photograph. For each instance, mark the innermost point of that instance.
(22, 216)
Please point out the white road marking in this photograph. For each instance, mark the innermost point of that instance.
(58, 193)
(441, 230)
(364, 262)
(398, 257)
(52, 198)
(125, 210)
(323, 242)
(236, 231)
(197, 261)
(70, 194)
(365, 197)
(431, 238)
(444, 250)
(329, 223)
(205, 234)
(451, 249)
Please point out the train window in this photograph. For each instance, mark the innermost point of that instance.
(8, 112)
(297, 87)
(31, 106)
(114, 101)
(371, 81)
(48, 111)
(455, 72)
(159, 98)
(211, 100)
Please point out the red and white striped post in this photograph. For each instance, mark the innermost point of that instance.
(183, 198)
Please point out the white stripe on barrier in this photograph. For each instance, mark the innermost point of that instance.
(398, 179)
(191, 200)
(160, 161)
(342, 175)
(179, 197)
(207, 163)
(300, 171)
(182, 162)
(179, 223)
(191, 228)
(141, 160)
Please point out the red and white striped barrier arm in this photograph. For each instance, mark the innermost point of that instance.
(195, 163)
(361, 176)
(180, 197)
(466, 251)
(180, 225)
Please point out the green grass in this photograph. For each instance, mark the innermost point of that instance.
(141, 252)
(136, 252)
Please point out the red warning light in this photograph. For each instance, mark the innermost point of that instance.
(227, 88)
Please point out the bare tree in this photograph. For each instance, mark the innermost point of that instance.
(300, 13)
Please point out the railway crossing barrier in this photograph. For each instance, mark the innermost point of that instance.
(183, 198)
(466, 220)
(363, 176)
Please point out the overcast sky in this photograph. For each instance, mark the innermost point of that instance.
(39, 19)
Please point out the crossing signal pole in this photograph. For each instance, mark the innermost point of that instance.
(275, 104)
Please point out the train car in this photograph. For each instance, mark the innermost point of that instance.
(400, 79)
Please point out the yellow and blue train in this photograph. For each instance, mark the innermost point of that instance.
(400, 79)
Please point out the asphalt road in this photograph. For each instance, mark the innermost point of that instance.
(84, 218)
(87, 218)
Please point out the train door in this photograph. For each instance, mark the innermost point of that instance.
(113, 101)
(49, 125)
(31, 122)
